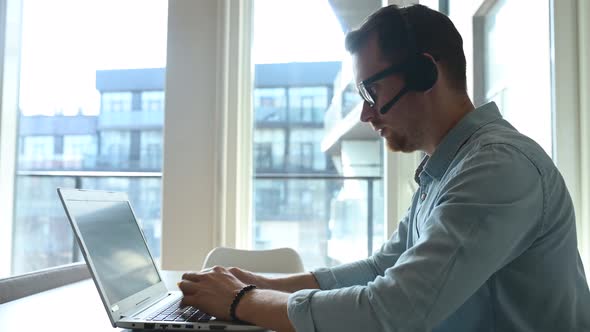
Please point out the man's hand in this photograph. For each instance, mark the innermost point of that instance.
(212, 291)
(250, 278)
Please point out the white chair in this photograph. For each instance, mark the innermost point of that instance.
(281, 260)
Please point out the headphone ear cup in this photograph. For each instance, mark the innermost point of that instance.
(421, 73)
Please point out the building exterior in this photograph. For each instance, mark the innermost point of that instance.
(295, 182)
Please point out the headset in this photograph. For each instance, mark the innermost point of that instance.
(419, 71)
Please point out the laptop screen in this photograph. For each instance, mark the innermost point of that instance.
(116, 247)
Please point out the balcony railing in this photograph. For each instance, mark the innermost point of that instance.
(149, 160)
(42, 235)
(270, 115)
(332, 213)
(363, 189)
(131, 119)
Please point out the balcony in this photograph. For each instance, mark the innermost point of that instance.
(149, 161)
(131, 120)
(321, 213)
(42, 235)
(272, 117)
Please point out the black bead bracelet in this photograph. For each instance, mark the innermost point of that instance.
(234, 304)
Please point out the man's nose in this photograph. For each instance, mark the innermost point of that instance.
(367, 113)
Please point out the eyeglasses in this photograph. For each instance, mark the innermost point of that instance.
(366, 89)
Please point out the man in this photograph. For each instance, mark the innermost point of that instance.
(489, 242)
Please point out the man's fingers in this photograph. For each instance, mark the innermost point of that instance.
(188, 287)
(198, 276)
(189, 301)
(219, 269)
(192, 276)
(234, 270)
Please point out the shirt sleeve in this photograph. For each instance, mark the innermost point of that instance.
(487, 214)
(364, 271)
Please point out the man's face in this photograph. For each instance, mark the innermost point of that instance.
(400, 126)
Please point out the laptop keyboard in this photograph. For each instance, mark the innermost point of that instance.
(177, 313)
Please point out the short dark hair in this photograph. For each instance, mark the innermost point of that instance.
(432, 32)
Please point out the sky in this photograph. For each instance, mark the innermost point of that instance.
(301, 31)
(64, 42)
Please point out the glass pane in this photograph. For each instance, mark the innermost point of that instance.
(517, 75)
(144, 194)
(91, 101)
(328, 216)
(42, 233)
(270, 103)
(433, 4)
(311, 190)
(308, 104)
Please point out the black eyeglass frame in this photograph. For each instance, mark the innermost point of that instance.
(364, 86)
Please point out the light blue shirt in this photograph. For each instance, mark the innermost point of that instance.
(488, 244)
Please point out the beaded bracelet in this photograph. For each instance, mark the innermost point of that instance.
(234, 304)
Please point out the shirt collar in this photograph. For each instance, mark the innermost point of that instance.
(437, 164)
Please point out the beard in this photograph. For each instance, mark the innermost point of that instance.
(401, 143)
(404, 134)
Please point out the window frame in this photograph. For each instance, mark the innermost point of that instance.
(571, 76)
(10, 37)
(228, 220)
(206, 194)
(584, 112)
(570, 45)
(212, 185)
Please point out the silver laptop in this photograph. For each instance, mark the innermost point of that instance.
(123, 269)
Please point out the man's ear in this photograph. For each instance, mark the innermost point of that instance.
(436, 64)
(432, 57)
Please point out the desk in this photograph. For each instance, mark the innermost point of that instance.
(74, 307)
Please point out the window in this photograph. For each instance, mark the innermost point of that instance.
(270, 104)
(78, 149)
(500, 65)
(269, 200)
(116, 101)
(74, 125)
(269, 145)
(504, 54)
(152, 101)
(433, 4)
(305, 201)
(37, 152)
(151, 150)
(115, 149)
(305, 153)
(308, 104)
(509, 65)
(263, 156)
(350, 99)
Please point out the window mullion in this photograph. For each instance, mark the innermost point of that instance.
(10, 41)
